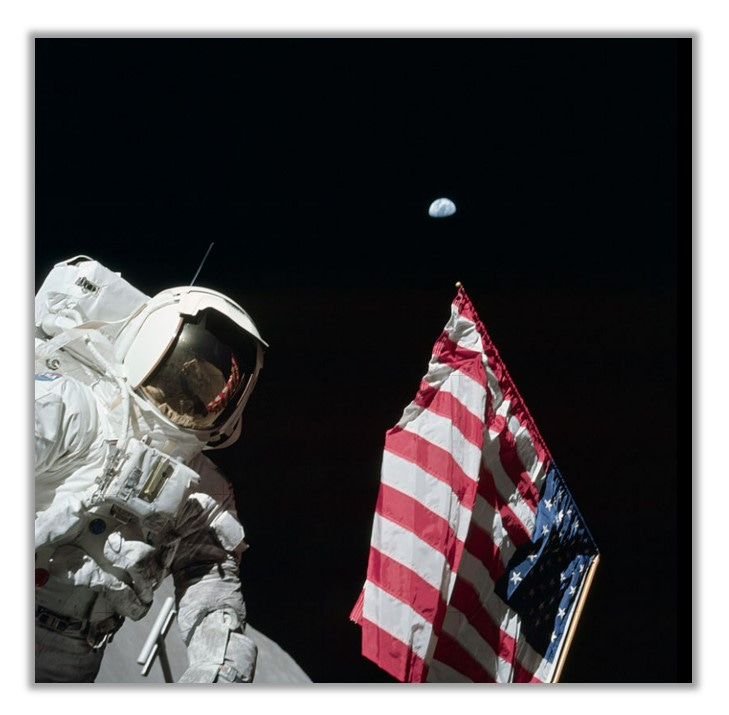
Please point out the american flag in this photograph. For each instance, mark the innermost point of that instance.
(479, 560)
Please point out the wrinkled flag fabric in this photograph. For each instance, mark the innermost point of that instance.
(478, 554)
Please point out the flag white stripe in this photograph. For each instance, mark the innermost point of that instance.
(533, 465)
(517, 481)
(438, 373)
(466, 331)
(432, 493)
(494, 387)
(439, 672)
(471, 394)
(528, 455)
(505, 486)
(490, 521)
(441, 432)
(410, 550)
(397, 618)
(459, 628)
(472, 569)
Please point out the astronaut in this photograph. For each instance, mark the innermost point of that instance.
(130, 392)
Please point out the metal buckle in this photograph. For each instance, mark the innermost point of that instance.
(98, 640)
(55, 622)
(102, 633)
(228, 674)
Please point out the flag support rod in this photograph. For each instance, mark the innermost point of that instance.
(578, 613)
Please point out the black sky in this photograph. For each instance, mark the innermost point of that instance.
(311, 162)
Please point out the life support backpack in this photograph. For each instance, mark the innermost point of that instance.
(80, 291)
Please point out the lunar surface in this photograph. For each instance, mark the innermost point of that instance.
(120, 665)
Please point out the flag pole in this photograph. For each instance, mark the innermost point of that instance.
(578, 613)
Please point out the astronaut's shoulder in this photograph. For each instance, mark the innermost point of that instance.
(49, 382)
(66, 419)
(70, 395)
(202, 464)
(212, 493)
(58, 382)
(213, 480)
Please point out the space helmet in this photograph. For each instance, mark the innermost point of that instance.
(194, 355)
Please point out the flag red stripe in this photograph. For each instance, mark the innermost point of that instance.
(434, 460)
(450, 651)
(513, 526)
(481, 546)
(427, 525)
(509, 458)
(402, 600)
(522, 675)
(409, 513)
(356, 614)
(497, 367)
(469, 362)
(391, 654)
(466, 599)
(445, 404)
(509, 392)
(404, 584)
(467, 311)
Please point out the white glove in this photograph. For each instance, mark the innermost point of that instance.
(131, 600)
(125, 572)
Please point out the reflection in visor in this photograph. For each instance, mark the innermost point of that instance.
(227, 392)
(204, 374)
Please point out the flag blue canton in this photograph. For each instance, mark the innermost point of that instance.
(542, 580)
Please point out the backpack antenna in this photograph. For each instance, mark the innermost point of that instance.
(202, 263)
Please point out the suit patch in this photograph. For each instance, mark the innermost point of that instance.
(47, 376)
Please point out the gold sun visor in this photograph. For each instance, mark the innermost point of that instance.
(204, 373)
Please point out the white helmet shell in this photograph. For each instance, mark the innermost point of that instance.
(194, 355)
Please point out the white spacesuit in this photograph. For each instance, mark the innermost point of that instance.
(129, 391)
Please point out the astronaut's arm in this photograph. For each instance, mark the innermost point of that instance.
(210, 604)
